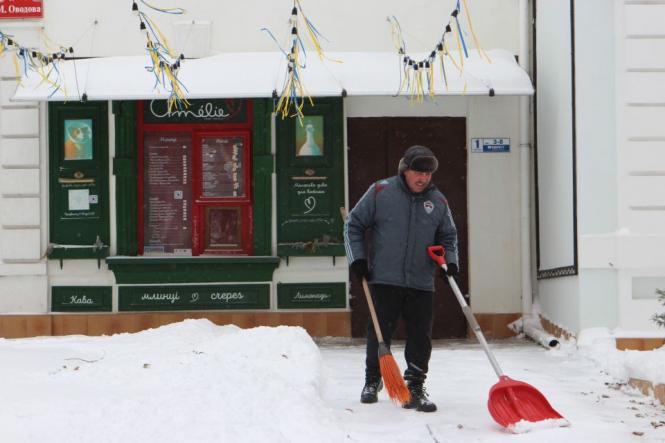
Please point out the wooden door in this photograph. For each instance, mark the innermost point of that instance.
(375, 147)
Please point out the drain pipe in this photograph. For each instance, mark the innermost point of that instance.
(525, 161)
(531, 326)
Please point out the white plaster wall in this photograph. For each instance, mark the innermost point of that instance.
(311, 270)
(23, 279)
(494, 208)
(23, 294)
(635, 313)
(348, 25)
(79, 272)
(640, 110)
(598, 294)
(558, 301)
(596, 164)
(596, 118)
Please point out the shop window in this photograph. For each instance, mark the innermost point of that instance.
(194, 181)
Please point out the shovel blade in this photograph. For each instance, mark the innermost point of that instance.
(511, 401)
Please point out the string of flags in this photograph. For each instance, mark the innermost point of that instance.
(165, 63)
(29, 60)
(417, 76)
(294, 95)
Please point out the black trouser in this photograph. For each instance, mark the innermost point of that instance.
(416, 307)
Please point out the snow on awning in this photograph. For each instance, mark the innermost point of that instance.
(258, 74)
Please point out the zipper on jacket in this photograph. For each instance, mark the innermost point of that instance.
(410, 241)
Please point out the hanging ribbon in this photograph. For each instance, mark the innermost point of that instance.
(164, 62)
(417, 77)
(293, 95)
(29, 60)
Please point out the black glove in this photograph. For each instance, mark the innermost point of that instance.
(452, 271)
(359, 268)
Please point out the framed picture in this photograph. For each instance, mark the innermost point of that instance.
(78, 139)
(223, 228)
(309, 136)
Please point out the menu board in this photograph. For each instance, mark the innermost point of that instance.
(167, 193)
(223, 171)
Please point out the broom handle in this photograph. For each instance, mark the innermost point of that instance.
(372, 312)
(436, 253)
(368, 295)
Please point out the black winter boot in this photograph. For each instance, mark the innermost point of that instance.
(419, 399)
(371, 390)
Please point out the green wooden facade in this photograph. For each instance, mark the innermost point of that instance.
(79, 224)
(148, 283)
(310, 185)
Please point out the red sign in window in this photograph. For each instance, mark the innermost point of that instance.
(21, 8)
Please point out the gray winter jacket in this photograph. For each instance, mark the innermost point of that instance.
(403, 225)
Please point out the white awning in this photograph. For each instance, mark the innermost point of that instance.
(258, 74)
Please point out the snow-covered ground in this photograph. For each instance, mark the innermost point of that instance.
(194, 381)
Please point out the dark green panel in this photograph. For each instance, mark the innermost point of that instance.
(262, 164)
(78, 179)
(199, 297)
(261, 122)
(311, 295)
(192, 269)
(124, 168)
(81, 298)
(198, 111)
(310, 182)
(262, 207)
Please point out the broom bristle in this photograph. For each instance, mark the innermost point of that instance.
(392, 379)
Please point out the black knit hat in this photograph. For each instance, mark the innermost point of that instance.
(418, 158)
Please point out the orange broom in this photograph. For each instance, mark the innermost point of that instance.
(390, 372)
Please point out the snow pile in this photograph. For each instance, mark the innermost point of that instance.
(194, 381)
(599, 344)
(190, 381)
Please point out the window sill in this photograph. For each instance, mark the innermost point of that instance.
(310, 250)
(129, 270)
(62, 252)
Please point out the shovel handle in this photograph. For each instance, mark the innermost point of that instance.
(436, 253)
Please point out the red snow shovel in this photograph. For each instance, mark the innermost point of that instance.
(510, 401)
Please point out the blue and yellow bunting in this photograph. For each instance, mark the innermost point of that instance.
(417, 76)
